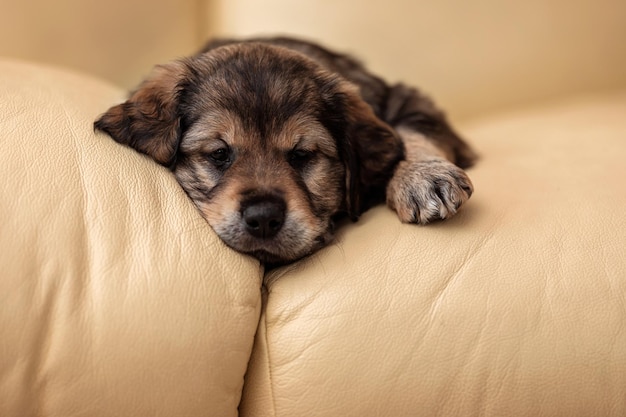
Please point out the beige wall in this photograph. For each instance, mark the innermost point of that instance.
(116, 39)
(473, 56)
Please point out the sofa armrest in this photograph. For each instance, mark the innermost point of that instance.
(116, 298)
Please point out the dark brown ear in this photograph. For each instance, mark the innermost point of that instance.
(373, 151)
(148, 121)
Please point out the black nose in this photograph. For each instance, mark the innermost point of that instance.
(264, 218)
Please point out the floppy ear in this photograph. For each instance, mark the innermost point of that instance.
(372, 150)
(149, 121)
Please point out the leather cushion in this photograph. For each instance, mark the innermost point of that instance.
(116, 298)
(515, 307)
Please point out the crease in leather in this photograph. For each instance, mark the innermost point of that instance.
(269, 366)
(261, 337)
(453, 276)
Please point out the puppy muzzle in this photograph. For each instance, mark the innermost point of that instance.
(263, 216)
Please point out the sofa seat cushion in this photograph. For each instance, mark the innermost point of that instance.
(116, 298)
(515, 307)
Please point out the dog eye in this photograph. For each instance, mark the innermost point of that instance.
(220, 156)
(299, 157)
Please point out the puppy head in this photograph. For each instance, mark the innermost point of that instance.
(268, 144)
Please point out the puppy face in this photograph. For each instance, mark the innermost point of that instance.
(268, 190)
(268, 144)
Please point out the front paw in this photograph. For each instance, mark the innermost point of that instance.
(424, 191)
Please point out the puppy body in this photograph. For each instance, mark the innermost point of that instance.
(274, 138)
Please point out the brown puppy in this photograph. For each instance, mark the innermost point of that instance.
(273, 139)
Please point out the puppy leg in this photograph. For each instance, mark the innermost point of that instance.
(429, 184)
(426, 186)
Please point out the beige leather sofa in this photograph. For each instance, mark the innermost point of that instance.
(117, 299)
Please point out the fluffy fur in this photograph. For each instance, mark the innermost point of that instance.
(273, 139)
